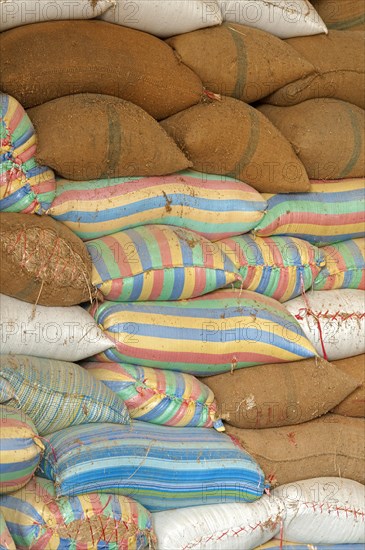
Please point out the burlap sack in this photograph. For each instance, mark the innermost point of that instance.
(354, 404)
(342, 14)
(230, 137)
(303, 391)
(328, 136)
(339, 60)
(330, 446)
(240, 61)
(44, 61)
(91, 136)
(42, 261)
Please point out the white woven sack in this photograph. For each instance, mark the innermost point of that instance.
(220, 526)
(332, 320)
(165, 18)
(15, 13)
(328, 510)
(283, 18)
(65, 333)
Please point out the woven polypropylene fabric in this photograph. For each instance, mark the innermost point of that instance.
(156, 262)
(25, 186)
(56, 394)
(159, 466)
(280, 267)
(331, 212)
(345, 266)
(37, 519)
(211, 334)
(213, 206)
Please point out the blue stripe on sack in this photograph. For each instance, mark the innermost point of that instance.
(7, 468)
(4, 104)
(179, 281)
(316, 196)
(18, 195)
(323, 240)
(140, 245)
(22, 506)
(16, 443)
(138, 282)
(99, 263)
(22, 139)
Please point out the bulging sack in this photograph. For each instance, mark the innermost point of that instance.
(220, 526)
(161, 467)
(277, 17)
(105, 138)
(157, 262)
(342, 15)
(219, 332)
(232, 138)
(333, 321)
(332, 445)
(25, 186)
(20, 450)
(339, 61)
(95, 57)
(280, 267)
(37, 518)
(52, 265)
(56, 394)
(345, 266)
(214, 206)
(16, 13)
(328, 136)
(327, 510)
(354, 404)
(162, 18)
(6, 540)
(239, 61)
(159, 396)
(65, 333)
(303, 390)
(333, 211)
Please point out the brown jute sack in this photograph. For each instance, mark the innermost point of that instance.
(232, 138)
(328, 136)
(91, 136)
(42, 261)
(354, 404)
(339, 60)
(240, 61)
(330, 446)
(342, 14)
(44, 61)
(269, 396)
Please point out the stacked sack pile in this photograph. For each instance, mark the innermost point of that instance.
(182, 242)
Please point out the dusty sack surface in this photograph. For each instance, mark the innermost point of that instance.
(92, 136)
(339, 60)
(354, 404)
(342, 14)
(269, 396)
(70, 57)
(240, 61)
(42, 261)
(330, 446)
(328, 136)
(232, 138)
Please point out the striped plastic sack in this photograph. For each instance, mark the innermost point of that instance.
(20, 449)
(333, 211)
(216, 207)
(216, 333)
(280, 267)
(160, 396)
(25, 186)
(38, 520)
(56, 394)
(345, 266)
(156, 262)
(6, 541)
(158, 466)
